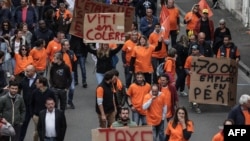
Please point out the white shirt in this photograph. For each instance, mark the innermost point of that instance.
(50, 124)
(31, 80)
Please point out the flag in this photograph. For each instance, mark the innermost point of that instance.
(204, 5)
(164, 19)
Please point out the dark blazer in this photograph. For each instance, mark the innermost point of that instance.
(237, 115)
(61, 125)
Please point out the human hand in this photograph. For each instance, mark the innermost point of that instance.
(103, 117)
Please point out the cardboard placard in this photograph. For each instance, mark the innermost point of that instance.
(104, 28)
(143, 133)
(213, 81)
(87, 6)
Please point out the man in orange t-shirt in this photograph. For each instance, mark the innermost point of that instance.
(136, 93)
(156, 108)
(70, 59)
(55, 45)
(158, 56)
(127, 50)
(174, 19)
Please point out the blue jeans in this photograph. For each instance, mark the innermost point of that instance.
(128, 76)
(49, 139)
(99, 77)
(81, 61)
(136, 117)
(158, 130)
(71, 90)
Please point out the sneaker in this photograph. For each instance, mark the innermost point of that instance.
(71, 106)
(85, 85)
(8, 74)
(196, 108)
(183, 93)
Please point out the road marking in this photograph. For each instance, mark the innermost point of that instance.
(243, 84)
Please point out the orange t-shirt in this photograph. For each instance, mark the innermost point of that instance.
(128, 48)
(39, 58)
(168, 101)
(143, 59)
(66, 15)
(173, 16)
(170, 66)
(67, 61)
(153, 40)
(136, 94)
(155, 111)
(247, 117)
(218, 137)
(176, 134)
(22, 63)
(192, 23)
(52, 48)
(228, 53)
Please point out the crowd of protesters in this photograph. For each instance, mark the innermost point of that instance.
(40, 58)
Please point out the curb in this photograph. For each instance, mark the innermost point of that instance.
(243, 67)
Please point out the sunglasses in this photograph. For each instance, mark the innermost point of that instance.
(5, 25)
(24, 49)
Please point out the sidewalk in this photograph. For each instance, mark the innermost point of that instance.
(238, 31)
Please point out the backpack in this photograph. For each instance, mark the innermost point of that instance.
(160, 69)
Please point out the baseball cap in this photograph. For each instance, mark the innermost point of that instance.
(195, 46)
(205, 11)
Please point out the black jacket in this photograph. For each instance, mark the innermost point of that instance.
(27, 90)
(38, 100)
(60, 121)
(60, 76)
(45, 34)
(77, 45)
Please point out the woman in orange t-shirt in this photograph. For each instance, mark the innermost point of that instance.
(23, 59)
(141, 58)
(220, 136)
(191, 18)
(180, 128)
(39, 56)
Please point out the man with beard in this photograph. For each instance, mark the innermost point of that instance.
(42, 32)
(228, 50)
(124, 119)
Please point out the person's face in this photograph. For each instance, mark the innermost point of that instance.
(201, 38)
(163, 81)
(13, 90)
(30, 72)
(38, 84)
(155, 90)
(142, 41)
(134, 36)
(54, 2)
(133, 27)
(55, 60)
(42, 24)
(226, 41)
(205, 15)
(192, 39)
(19, 34)
(66, 45)
(50, 105)
(248, 104)
(181, 114)
(149, 12)
(124, 115)
(170, 3)
(114, 79)
(157, 28)
(61, 36)
(222, 25)
(105, 46)
(23, 3)
(62, 8)
(23, 50)
(5, 25)
(139, 79)
(196, 9)
(25, 28)
(195, 51)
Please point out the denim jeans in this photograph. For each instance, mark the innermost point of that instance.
(61, 95)
(81, 61)
(99, 77)
(158, 130)
(49, 139)
(128, 76)
(136, 117)
(181, 77)
(71, 90)
(25, 124)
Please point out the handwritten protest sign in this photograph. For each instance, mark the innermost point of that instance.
(143, 133)
(104, 28)
(87, 6)
(213, 81)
